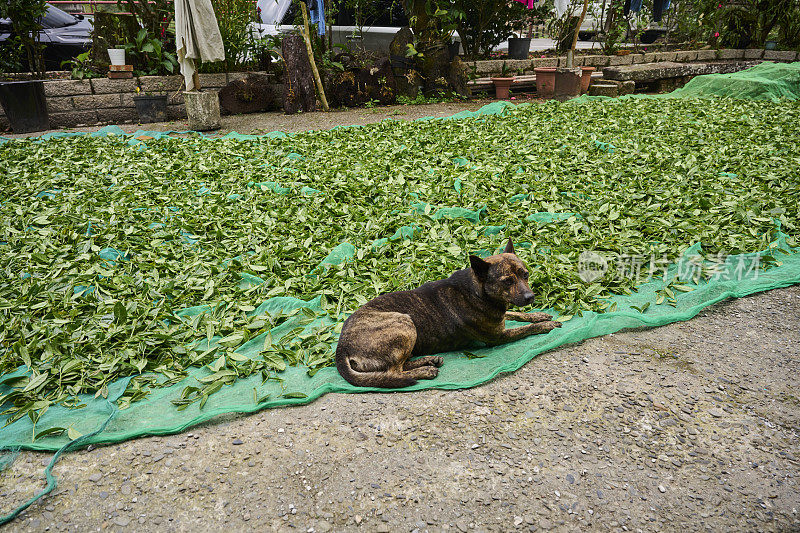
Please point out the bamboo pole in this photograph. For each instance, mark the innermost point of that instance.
(307, 37)
(571, 52)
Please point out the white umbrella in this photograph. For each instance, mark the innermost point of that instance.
(196, 37)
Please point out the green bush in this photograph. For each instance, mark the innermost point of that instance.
(487, 23)
(25, 26)
(234, 18)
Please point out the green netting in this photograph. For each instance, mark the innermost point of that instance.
(100, 421)
(767, 81)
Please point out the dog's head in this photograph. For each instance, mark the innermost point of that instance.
(504, 278)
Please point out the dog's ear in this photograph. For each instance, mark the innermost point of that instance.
(509, 248)
(479, 266)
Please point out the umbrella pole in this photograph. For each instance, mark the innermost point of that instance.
(306, 36)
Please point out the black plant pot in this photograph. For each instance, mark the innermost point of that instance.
(151, 108)
(25, 106)
(453, 49)
(519, 47)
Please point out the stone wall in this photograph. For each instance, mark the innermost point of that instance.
(485, 68)
(97, 101)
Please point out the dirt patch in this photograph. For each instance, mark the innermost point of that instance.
(691, 426)
(261, 123)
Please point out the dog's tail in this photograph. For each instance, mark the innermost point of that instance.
(385, 380)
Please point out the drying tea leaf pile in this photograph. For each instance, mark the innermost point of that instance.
(149, 259)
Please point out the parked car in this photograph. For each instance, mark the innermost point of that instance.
(64, 36)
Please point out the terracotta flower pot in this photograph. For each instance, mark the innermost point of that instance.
(501, 87)
(545, 81)
(586, 78)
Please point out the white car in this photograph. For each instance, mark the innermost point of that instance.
(273, 14)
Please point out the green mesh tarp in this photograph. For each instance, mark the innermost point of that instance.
(100, 421)
(767, 81)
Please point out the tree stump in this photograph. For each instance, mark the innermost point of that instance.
(435, 68)
(298, 88)
(407, 79)
(458, 76)
(250, 95)
(378, 83)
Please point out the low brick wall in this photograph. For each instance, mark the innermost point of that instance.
(97, 101)
(494, 66)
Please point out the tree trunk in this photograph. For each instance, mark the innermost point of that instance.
(298, 87)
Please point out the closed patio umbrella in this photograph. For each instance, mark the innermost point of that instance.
(196, 37)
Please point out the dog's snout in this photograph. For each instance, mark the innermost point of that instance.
(528, 296)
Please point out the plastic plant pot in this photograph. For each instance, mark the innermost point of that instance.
(151, 108)
(25, 106)
(117, 56)
(519, 47)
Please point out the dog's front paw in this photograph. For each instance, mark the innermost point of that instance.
(427, 372)
(539, 317)
(549, 325)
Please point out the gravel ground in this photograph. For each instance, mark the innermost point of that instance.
(691, 426)
(260, 123)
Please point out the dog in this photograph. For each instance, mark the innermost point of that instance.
(378, 340)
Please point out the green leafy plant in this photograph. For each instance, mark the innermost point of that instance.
(421, 99)
(25, 26)
(81, 67)
(506, 71)
(12, 55)
(483, 24)
(155, 16)
(242, 49)
(149, 56)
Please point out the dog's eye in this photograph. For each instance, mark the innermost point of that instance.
(524, 275)
(508, 281)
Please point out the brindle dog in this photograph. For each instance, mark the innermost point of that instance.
(379, 339)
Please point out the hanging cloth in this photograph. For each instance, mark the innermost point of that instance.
(197, 36)
(273, 11)
(561, 7)
(659, 6)
(317, 15)
(633, 5)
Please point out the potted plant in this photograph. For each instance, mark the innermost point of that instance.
(519, 47)
(151, 106)
(503, 82)
(23, 101)
(545, 81)
(116, 55)
(586, 78)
